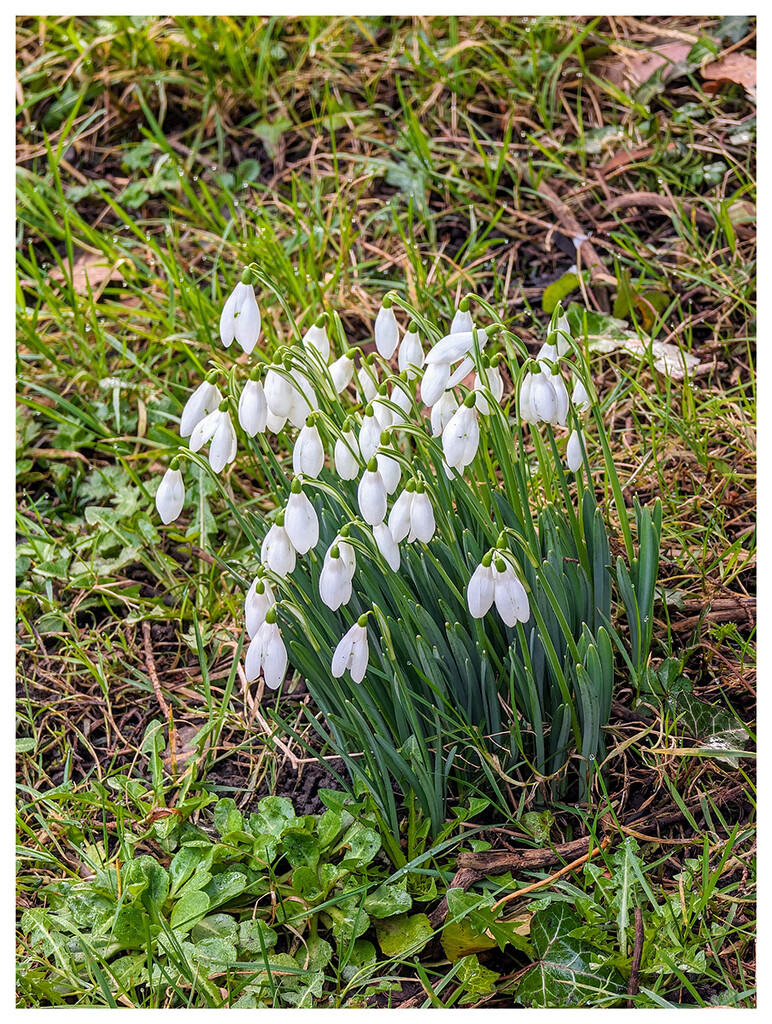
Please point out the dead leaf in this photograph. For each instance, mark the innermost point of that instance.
(88, 272)
(735, 67)
(668, 359)
(630, 69)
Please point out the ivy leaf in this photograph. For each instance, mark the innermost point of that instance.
(274, 815)
(363, 843)
(475, 979)
(403, 934)
(567, 973)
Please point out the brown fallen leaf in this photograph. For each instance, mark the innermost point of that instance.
(631, 68)
(88, 272)
(735, 67)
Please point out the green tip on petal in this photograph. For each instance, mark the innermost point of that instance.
(270, 615)
(334, 552)
(223, 406)
(174, 465)
(388, 302)
(372, 465)
(260, 587)
(362, 620)
(297, 487)
(487, 559)
(321, 320)
(501, 565)
(345, 530)
(464, 304)
(213, 376)
(246, 275)
(255, 372)
(501, 543)
(384, 438)
(410, 485)
(470, 399)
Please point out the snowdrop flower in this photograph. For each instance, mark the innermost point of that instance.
(422, 524)
(267, 654)
(442, 412)
(205, 399)
(274, 423)
(300, 520)
(346, 454)
(561, 394)
(462, 320)
(278, 393)
(399, 517)
(579, 396)
(240, 318)
(435, 380)
(387, 546)
(381, 409)
(389, 468)
(402, 397)
(352, 652)
(367, 381)
(170, 496)
(342, 370)
(218, 430)
(386, 329)
(544, 400)
(411, 353)
(276, 551)
(563, 329)
(461, 436)
(574, 456)
(253, 408)
(546, 356)
(308, 453)
(316, 338)
(335, 586)
(259, 599)
(347, 552)
(509, 594)
(371, 495)
(453, 347)
(303, 401)
(481, 587)
(494, 382)
(370, 434)
(526, 409)
(463, 370)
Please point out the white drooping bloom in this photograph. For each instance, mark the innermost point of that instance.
(347, 553)
(253, 408)
(411, 354)
(277, 552)
(278, 393)
(462, 322)
(386, 332)
(453, 347)
(422, 525)
(442, 412)
(544, 400)
(546, 356)
(371, 495)
(390, 471)
(574, 451)
(335, 581)
(480, 590)
(369, 434)
(267, 654)
(217, 429)
(205, 399)
(345, 456)
(341, 371)
(240, 318)
(561, 394)
(352, 653)
(387, 546)
(308, 453)
(579, 396)
(509, 594)
(526, 409)
(301, 521)
(367, 383)
(434, 382)
(304, 400)
(461, 438)
(381, 410)
(563, 345)
(170, 496)
(274, 423)
(316, 337)
(399, 517)
(403, 399)
(495, 384)
(260, 597)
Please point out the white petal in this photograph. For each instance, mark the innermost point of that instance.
(454, 346)
(510, 597)
(563, 329)
(462, 371)
(434, 382)
(390, 471)
(277, 552)
(335, 586)
(227, 322)
(316, 337)
(301, 523)
(221, 450)
(247, 328)
(341, 371)
(256, 605)
(574, 452)
(369, 436)
(422, 524)
(343, 652)
(480, 591)
(371, 495)
(278, 393)
(399, 517)
(274, 423)
(308, 453)
(544, 401)
(253, 408)
(411, 354)
(460, 438)
(526, 409)
(205, 430)
(205, 399)
(561, 394)
(442, 412)
(346, 462)
(462, 322)
(274, 654)
(253, 663)
(386, 332)
(360, 656)
(580, 397)
(170, 496)
(387, 546)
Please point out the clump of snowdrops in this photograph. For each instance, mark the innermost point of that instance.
(437, 567)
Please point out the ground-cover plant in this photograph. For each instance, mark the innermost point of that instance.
(466, 631)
